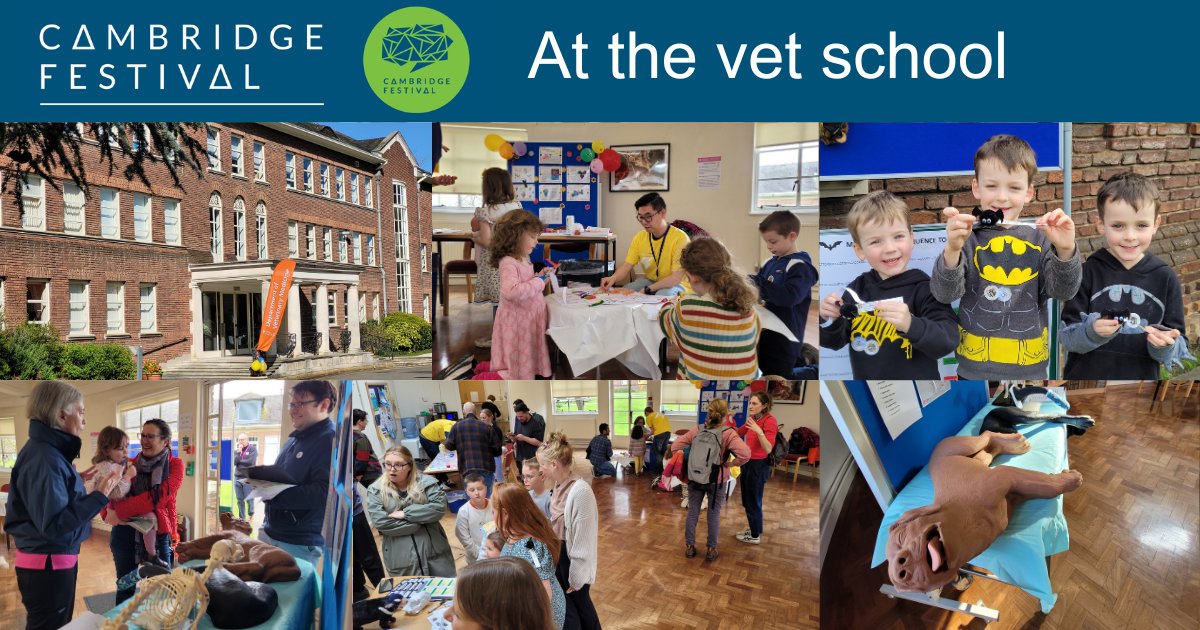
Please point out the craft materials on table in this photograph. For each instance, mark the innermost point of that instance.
(439, 588)
(613, 296)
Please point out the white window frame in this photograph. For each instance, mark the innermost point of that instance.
(78, 304)
(44, 300)
(310, 241)
(74, 209)
(344, 246)
(403, 268)
(362, 307)
(237, 158)
(354, 188)
(339, 176)
(424, 258)
(260, 162)
(114, 309)
(368, 195)
(214, 150)
(239, 228)
(370, 250)
(289, 170)
(8, 443)
(33, 203)
(142, 209)
(112, 227)
(375, 306)
(216, 228)
(308, 174)
(619, 425)
(425, 308)
(171, 217)
(148, 307)
(568, 395)
(324, 179)
(812, 147)
(679, 398)
(356, 240)
(328, 238)
(332, 307)
(260, 229)
(293, 239)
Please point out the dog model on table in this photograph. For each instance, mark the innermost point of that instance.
(972, 501)
(263, 562)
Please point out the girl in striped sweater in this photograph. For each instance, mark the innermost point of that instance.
(716, 329)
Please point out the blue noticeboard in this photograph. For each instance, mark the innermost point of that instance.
(736, 393)
(551, 176)
(904, 456)
(894, 150)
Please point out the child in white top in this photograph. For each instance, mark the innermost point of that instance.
(472, 517)
(535, 483)
(112, 453)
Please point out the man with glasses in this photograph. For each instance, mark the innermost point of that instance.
(295, 516)
(656, 249)
(476, 444)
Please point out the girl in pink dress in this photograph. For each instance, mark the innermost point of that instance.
(519, 333)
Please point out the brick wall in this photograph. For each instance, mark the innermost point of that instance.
(1168, 153)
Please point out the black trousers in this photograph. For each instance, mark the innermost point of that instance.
(581, 613)
(48, 595)
(367, 565)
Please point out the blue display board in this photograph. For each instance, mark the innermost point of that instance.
(736, 393)
(904, 456)
(893, 150)
(552, 179)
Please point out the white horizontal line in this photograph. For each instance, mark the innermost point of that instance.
(182, 104)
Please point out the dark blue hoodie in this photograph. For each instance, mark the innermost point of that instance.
(296, 515)
(48, 510)
(785, 283)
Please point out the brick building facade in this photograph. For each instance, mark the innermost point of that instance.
(1168, 153)
(181, 270)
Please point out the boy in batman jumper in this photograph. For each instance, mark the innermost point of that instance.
(901, 339)
(785, 284)
(1003, 273)
(1127, 318)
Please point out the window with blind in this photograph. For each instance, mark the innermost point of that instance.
(679, 398)
(575, 397)
(469, 162)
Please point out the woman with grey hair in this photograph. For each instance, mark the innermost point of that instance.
(49, 512)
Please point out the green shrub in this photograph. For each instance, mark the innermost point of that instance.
(402, 332)
(30, 351)
(97, 362)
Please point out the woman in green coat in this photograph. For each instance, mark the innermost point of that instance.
(407, 507)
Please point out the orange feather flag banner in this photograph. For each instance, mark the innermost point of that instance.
(276, 303)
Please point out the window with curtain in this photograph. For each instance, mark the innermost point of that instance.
(575, 397)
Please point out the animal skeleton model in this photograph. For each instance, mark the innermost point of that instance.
(167, 602)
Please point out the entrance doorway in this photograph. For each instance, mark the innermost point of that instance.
(232, 322)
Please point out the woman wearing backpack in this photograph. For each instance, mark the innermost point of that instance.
(759, 432)
(708, 470)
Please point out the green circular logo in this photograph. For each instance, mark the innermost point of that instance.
(416, 60)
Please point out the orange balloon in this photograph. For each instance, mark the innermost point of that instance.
(506, 151)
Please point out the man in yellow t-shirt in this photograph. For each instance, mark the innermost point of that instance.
(660, 428)
(432, 435)
(656, 248)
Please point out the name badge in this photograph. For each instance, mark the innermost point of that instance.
(299, 454)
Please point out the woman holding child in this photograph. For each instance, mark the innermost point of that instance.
(406, 507)
(49, 512)
(575, 519)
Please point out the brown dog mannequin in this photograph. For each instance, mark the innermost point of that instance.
(262, 562)
(972, 501)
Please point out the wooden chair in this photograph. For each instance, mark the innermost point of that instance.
(810, 461)
(464, 267)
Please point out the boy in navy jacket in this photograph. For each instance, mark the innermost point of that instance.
(785, 284)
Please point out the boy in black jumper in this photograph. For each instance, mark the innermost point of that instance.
(1127, 318)
(785, 284)
(908, 331)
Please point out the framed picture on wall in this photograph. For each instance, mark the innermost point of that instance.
(790, 392)
(644, 168)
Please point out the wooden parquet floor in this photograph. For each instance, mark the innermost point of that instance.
(1134, 524)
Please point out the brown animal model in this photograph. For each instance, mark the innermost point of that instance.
(262, 562)
(972, 502)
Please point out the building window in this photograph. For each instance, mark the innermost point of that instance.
(289, 161)
(260, 162)
(400, 216)
(340, 176)
(293, 237)
(628, 401)
(37, 301)
(310, 236)
(116, 307)
(2, 287)
(424, 258)
(308, 175)
(133, 415)
(149, 307)
(354, 188)
(343, 246)
(679, 398)
(141, 218)
(73, 213)
(171, 221)
(215, 245)
(79, 319)
(425, 308)
(362, 307)
(574, 397)
(214, 150)
(8, 443)
(371, 250)
(356, 239)
(368, 197)
(325, 179)
(332, 308)
(239, 228)
(33, 203)
(328, 244)
(110, 213)
(785, 178)
(375, 306)
(260, 223)
(236, 164)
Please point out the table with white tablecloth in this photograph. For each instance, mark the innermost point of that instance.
(591, 334)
